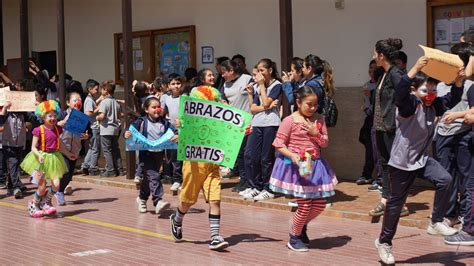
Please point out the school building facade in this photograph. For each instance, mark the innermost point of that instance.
(343, 32)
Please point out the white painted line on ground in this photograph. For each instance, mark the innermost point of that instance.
(91, 252)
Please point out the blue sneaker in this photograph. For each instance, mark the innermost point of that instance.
(296, 244)
(460, 238)
(60, 198)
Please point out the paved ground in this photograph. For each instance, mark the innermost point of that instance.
(100, 225)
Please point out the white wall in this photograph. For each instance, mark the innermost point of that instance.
(250, 27)
(346, 38)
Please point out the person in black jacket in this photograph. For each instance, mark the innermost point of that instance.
(384, 111)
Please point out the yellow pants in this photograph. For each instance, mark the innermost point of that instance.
(199, 176)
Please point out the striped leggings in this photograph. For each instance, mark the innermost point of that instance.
(308, 209)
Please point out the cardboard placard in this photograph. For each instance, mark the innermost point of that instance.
(211, 132)
(22, 101)
(441, 65)
(2, 95)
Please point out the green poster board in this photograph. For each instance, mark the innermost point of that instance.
(210, 132)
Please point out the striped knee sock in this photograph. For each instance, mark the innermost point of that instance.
(215, 224)
(317, 207)
(49, 195)
(37, 199)
(301, 216)
(178, 218)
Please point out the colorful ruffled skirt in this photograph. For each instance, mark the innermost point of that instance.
(54, 165)
(286, 179)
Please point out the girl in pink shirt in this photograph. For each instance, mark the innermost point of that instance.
(45, 162)
(299, 170)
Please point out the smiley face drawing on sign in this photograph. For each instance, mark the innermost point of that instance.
(204, 132)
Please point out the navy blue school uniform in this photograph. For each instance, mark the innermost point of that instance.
(151, 160)
(409, 158)
(316, 83)
(468, 225)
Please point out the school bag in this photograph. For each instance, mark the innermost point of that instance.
(330, 111)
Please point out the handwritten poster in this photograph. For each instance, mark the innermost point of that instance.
(210, 132)
(22, 101)
(77, 122)
(138, 142)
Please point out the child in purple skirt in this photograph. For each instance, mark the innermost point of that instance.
(299, 170)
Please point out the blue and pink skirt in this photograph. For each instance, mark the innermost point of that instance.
(286, 179)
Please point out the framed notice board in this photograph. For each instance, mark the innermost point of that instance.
(446, 20)
(157, 52)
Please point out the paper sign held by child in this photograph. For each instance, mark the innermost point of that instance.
(441, 66)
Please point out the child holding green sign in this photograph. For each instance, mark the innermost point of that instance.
(199, 176)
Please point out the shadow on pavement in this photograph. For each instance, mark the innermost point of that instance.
(330, 242)
(64, 214)
(236, 239)
(417, 206)
(90, 201)
(342, 197)
(444, 258)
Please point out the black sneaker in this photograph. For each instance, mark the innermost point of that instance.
(230, 174)
(85, 171)
(94, 172)
(176, 231)
(17, 193)
(304, 236)
(107, 174)
(362, 180)
(218, 243)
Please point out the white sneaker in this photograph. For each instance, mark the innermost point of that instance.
(264, 195)
(141, 205)
(243, 192)
(251, 194)
(68, 190)
(175, 187)
(385, 252)
(441, 228)
(161, 206)
(137, 179)
(451, 222)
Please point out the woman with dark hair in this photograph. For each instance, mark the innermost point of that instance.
(235, 93)
(384, 55)
(293, 80)
(205, 77)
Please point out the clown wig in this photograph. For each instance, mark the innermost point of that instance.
(206, 93)
(47, 107)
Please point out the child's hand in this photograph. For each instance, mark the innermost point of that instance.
(175, 138)
(40, 158)
(84, 136)
(469, 118)
(285, 76)
(177, 122)
(460, 78)
(309, 127)
(422, 62)
(295, 158)
(259, 79)
(273, 104)
(249, 88)
(127, 134)
(62, 123)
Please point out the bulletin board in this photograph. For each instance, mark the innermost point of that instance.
(446, 20)
(157, 52)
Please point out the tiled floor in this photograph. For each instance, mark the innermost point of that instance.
(101, 225)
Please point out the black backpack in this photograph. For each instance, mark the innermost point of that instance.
(329, 109)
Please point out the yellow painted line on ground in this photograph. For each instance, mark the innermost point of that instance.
(99, 223)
